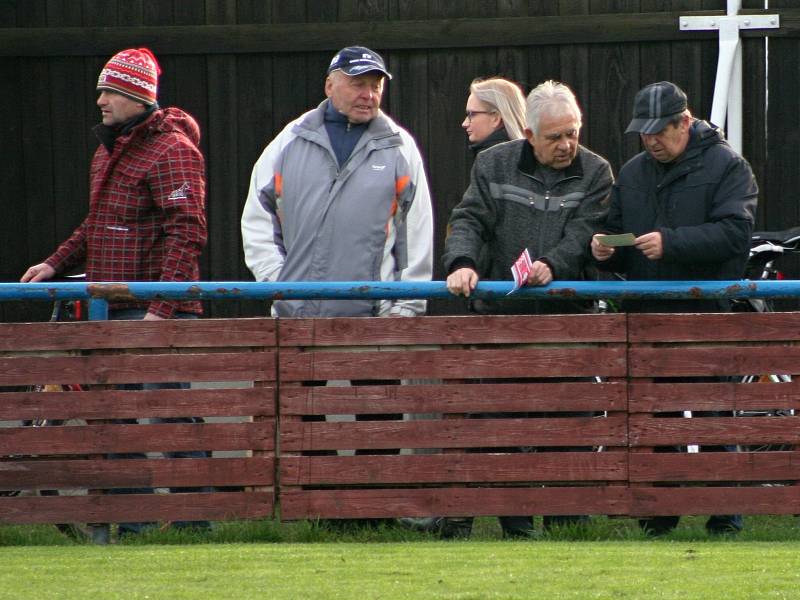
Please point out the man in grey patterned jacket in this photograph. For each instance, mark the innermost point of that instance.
(546, 193)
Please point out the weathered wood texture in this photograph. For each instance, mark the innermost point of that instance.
(245, 69)
(510, 368)
(514, 399)
(84, 426)
(147, 507)
(450, 502)
(698, 363)
(572, 414)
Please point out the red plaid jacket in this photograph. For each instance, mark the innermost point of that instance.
(146, 218)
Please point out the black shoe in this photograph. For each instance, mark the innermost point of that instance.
(455, 529)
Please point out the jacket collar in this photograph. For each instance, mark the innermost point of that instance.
(108, 134)
(498, 136)
(702, 135)
(312, 127)
(528, 163)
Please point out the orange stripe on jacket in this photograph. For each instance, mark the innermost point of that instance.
(401, 184)
(392, 213)
(278, 184)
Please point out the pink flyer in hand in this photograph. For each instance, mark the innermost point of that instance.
(521, 269)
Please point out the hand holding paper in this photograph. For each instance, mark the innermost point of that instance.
(604, 245)
(520, 270)
(527, 272)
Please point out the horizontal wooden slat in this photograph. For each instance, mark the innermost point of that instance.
(450, 502)
(164, 437)
(715, 466)
(727, 327)
(647, 431)
(704, 361)
(308, 37)
(454, 433)
(452, 330)
(136, 507)
(138, 368)
(772, 500)
(136, 473)
(455, 398)
(652, 397)
(170, 333)
(121, 404)
(454, 468)
(556, 361)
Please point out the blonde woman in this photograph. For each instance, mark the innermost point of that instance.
(495, 113)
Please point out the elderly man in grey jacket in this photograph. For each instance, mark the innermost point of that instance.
(341, 195)
(546, 194)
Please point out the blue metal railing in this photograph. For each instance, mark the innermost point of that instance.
(102, 293)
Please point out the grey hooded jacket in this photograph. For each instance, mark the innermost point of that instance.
(307, 219)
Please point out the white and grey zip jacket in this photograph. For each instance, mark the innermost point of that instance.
(307, 219)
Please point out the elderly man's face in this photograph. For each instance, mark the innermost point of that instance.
(357, 97)
(556, 144)
(669, 143)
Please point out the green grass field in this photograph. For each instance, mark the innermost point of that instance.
(608, 559)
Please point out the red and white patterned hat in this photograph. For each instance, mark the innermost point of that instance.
(133, 73)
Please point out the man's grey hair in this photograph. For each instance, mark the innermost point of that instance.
(550, 98)
(677, 119)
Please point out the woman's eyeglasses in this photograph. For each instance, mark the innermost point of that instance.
(470, 114)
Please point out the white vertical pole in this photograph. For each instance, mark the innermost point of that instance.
(727, 104)
(734, 117)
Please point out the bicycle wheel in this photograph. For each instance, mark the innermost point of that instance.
(772, 413)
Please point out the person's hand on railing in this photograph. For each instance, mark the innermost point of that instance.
(540, 274)
(462, 281)
(38, 272)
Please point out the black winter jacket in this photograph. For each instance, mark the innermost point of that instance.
(703, 204)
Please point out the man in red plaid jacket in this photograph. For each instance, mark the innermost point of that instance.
(146, 218)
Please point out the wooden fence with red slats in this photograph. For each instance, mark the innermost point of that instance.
(699, 363)
(517, 416)
(457, 416)
(73, 457)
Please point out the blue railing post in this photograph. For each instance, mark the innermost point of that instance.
(100, 533)
(98, 309)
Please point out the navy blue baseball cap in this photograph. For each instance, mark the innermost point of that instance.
(654, 107)
(357, 60)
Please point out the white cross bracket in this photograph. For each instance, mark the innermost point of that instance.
(704, 23)
(727, 102)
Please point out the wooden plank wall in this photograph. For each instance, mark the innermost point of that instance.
(457, 416)
(71, 454)
(514, 403)
(244, 90)
(697, 363)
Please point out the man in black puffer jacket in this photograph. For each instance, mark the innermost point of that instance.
(690, 200)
